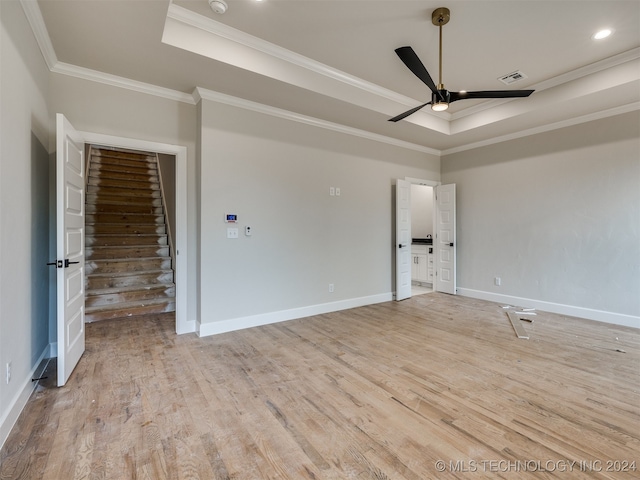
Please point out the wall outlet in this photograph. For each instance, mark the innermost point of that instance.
(497, 281)
(8, 372)
(337, 191)
(332, 191)
(331, 288)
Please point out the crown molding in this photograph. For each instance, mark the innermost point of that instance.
(34, 17)
(546, 128)
(122, 82)
(200, 94)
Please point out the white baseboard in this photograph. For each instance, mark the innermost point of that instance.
(187, 327)
(224, 326)
(17, 404)
(570, 310)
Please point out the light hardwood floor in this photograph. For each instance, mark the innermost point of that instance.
(379, 392)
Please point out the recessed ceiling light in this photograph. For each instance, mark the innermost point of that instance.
(602, 34)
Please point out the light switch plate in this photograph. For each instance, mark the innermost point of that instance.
(232, 232)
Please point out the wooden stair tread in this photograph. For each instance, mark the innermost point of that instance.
(129, 309)
(130, 288)
(157, 271)
(116, 306)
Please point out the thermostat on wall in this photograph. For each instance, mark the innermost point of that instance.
(230, 217)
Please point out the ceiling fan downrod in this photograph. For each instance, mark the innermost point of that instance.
(440, 17)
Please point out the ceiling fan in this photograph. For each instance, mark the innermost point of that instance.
(441, 97)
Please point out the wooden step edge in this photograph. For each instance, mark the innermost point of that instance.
(129, 309)
(131, 273)
(138, 259)
(130, 288)
(120, 246)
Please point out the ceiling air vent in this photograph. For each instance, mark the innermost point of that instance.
(512, 77)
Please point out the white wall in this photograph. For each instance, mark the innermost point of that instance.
(421, 211)
(98, 108)
(24, 228)
(275, 175)
(556, 216)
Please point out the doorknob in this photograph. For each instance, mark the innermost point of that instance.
(58, 264)
(67, 263)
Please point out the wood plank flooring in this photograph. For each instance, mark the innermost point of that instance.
(381, 392)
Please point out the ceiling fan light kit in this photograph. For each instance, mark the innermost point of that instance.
(440, 96)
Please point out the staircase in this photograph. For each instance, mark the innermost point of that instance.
(127, 258)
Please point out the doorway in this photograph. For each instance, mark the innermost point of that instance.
(183, 324)
(436, 255)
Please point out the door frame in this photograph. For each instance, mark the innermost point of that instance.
(183, 324)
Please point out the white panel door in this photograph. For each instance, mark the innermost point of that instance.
(445, 241)
(403, 239)
(70, 189)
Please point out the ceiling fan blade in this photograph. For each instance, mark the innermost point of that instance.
(411, 60)
(408, 112)
(489, 94)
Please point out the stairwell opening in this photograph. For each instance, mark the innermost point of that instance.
(129, 217)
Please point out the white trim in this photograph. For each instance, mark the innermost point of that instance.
(219, 29)
(17, 404)
(121, 82)
(231, 325)
(547, 128)
(34, 17)
(420, 181)
(183, 325)
(203, 94)
(569, 310)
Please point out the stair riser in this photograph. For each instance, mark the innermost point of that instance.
(131, 219)
(128, 184)
(120, 175)
(124, 228)
(122, 199)
(142, 167)
(129, 312)
(150, 293)
(144, 162)
(110, 208)
(105, 253)
(121, 192)
(124, 240)
(96, 282)
(122, 266)
(116, 171)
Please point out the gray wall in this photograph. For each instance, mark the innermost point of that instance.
(24, 211)
(275, 175)
(556, 216)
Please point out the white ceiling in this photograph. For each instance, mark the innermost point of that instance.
(334, 60)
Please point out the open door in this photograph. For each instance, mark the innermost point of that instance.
(445, 241)
(403, 239)
(70, 190)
